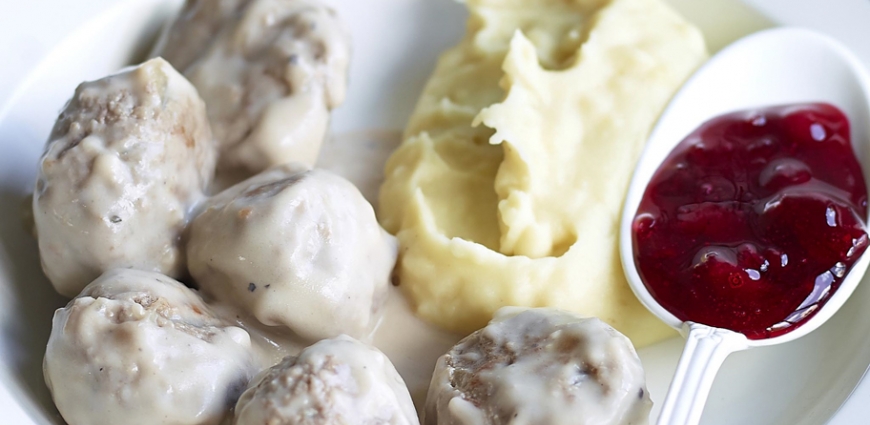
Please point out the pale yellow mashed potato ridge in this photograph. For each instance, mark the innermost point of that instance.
(508, 186)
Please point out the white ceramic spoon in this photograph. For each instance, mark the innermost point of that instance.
(778, 66)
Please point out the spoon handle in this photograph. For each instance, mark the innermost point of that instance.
(706, 348)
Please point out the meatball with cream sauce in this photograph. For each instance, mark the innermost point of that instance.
(270, 71)
(539, 367)
(128, 159)
(297, 248)
(139, 348)
(195, 28)
(335, 381)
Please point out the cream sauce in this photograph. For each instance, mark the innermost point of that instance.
(140, 348)
(270, 72)
(360, 157)
(125, 165)
(539, 367)
(294, 247)
(335, 381)
(411, 344)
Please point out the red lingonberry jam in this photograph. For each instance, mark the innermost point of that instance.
(753, 220)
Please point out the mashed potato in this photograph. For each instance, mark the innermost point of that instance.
(509, 183)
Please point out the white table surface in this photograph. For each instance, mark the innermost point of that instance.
(30, 28)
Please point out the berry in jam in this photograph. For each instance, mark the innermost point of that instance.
(753, 220)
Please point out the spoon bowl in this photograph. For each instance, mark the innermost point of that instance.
(773, 67)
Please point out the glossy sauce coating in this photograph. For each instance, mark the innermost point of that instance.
(753, 220)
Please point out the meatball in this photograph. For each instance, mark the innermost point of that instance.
(139, 348)
(539, 367)
(126, 162)
(295, 247)
(269, 70)
(195, 28)
(335, 381)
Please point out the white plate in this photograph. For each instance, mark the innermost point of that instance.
(396, 42)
